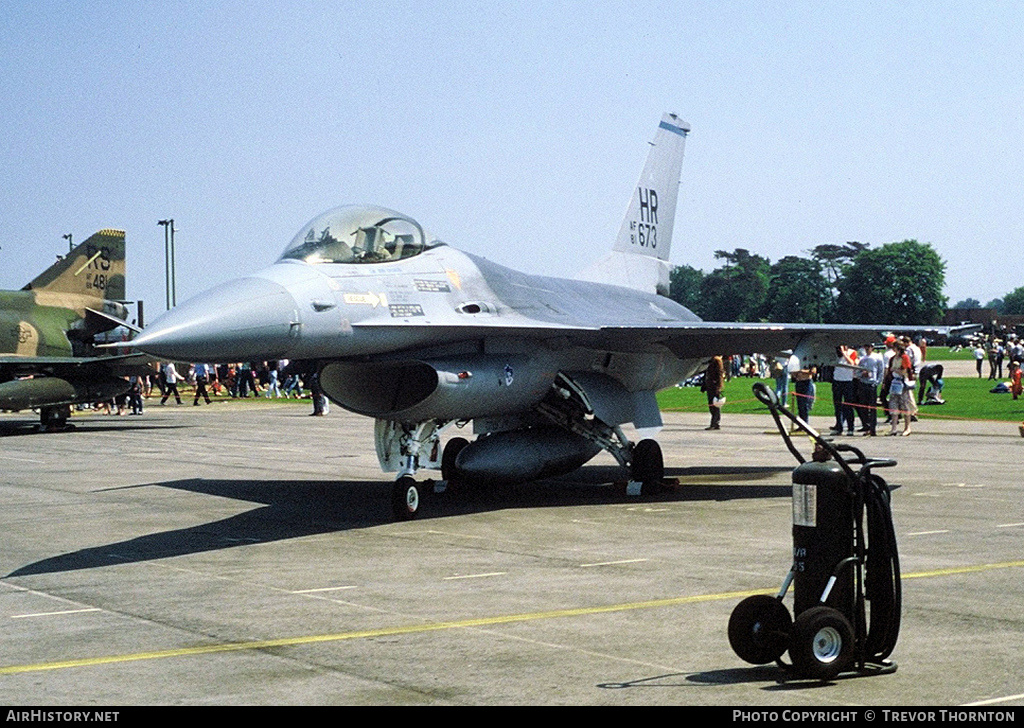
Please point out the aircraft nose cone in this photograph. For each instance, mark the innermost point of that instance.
(243, 320)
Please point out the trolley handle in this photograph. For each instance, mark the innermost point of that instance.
(770, 400)
(866, 464)
(865, 469)
(766, 395)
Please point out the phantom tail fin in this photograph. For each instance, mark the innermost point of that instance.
(639, 258)
(93, 268)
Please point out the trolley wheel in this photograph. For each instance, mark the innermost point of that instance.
(405, 498)
(821, 643)
(647, 465)
(759, 629)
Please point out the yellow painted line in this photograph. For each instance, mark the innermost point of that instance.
(441, 626)
(370, 633)
(953, 571)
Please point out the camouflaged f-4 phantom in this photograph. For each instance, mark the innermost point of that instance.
(48, 330)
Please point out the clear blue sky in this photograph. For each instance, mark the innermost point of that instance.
(512, 130)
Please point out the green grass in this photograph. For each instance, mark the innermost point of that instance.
(943, 353)
(966, 398)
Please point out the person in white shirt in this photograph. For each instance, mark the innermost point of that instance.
(842, 389)
(203, 374)
(869, 376)
(803, 387)
(916, 361)
(171, 379)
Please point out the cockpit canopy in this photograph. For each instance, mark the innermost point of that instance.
(358, 234)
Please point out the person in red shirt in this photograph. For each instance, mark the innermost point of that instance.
(1015, 384)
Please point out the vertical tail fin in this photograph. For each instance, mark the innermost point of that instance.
(93, 268)
(639, 258)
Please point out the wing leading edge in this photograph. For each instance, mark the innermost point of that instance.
(685, 339)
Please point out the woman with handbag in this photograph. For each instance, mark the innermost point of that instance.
(712, 385)
(901, 394)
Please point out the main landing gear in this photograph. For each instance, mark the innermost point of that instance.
(55, 419)
(646, 466)
(406, 448)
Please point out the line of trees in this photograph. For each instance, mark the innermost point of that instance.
(898, 283)
(1012, 304)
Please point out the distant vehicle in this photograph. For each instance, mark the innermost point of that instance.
(403, 328)
(48, 331)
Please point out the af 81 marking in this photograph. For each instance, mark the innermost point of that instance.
(646, 229)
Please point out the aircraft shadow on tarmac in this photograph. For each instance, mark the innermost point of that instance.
(293, 509)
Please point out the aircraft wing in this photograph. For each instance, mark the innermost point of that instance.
(685, 339)
(71, 366)
(703, 339)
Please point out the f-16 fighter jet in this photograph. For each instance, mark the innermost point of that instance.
(404, 328)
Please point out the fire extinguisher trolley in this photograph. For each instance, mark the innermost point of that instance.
(845, 571)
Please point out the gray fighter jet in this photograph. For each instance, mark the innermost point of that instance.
(406, 329)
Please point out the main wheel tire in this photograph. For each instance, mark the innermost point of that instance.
(647, 465)
(54, 419)
(759, 629)
(405, 498)
(451, 451)
(821, 643)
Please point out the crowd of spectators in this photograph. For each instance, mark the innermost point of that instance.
(998, 353)
(869, 384)
(242, 380)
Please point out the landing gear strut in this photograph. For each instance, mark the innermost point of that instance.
(405, 448)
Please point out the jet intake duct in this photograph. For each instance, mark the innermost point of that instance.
(438, 389)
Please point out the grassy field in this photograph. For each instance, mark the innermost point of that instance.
(943, 353)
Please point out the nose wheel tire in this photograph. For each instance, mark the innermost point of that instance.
(759, 629)
(406, 498)
(821, 643)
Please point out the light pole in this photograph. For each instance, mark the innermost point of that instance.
(168, 225)
(71, 243)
